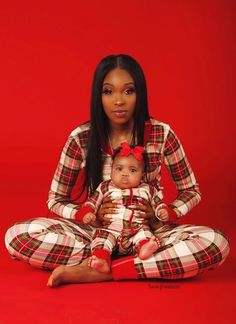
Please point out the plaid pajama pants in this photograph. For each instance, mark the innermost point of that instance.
(126, 241)
(186, 251)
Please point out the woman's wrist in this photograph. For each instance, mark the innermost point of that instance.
(82, 212)
(154, 223)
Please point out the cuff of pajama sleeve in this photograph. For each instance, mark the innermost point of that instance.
(84, 210)
(172, 214)
(124, 268)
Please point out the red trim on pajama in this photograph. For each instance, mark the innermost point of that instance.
(124, 268)
(80, 213)
(103, 254)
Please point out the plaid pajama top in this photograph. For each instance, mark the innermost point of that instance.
(161, 147)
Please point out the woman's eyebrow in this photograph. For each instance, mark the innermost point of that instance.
(107, 83)
(130, 82)
(110, 84)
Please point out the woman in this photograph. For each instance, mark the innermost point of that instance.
(119, 112)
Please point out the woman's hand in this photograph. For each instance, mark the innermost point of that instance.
(107, 207)
(163, 214)
(144, 210)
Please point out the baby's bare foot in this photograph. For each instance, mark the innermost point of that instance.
(147, 250)
(99, 264)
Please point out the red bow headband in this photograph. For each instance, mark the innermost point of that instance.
(126, 150)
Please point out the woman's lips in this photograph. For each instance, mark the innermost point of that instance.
(120, 113)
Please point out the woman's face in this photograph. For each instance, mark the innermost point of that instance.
(119, 97)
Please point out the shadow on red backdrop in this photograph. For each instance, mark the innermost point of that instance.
(49, 51)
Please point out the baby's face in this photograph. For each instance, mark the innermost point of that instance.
(126, 172)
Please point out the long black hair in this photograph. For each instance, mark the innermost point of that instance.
(98, 134)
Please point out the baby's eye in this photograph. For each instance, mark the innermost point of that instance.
(107, 91)
(118, 169)
(130, 90)
(133, 170)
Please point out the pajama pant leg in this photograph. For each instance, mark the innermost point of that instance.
(142, 234)
(104, 240)
(186, 251)
(129, 244)
(46, 243)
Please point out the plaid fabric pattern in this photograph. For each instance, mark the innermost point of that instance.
(124, 196)
(186, 250)
(104, 240)
(162, 147)
(125, 242)
(124, 230)
(46, 243)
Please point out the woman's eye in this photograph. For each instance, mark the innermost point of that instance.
(107, 91)
(130, 90)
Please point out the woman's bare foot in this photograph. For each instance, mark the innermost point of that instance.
(76, 274)
(99, 264)
(147, 250)
(56, 277)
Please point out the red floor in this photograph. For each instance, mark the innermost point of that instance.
(24, 298)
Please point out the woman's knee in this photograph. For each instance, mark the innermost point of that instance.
(17, 236)
(9, 236)
(222, 243)
(213, 246)
(46, 243)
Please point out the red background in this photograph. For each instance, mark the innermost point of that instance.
(48, 53)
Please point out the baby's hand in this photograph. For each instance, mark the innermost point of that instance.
(163, 214)
(89, 218)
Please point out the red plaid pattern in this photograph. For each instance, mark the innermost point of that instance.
(124, 230)
(126, 244)
(46, 243)
(122, 196)
(186, 250)
(162, 146)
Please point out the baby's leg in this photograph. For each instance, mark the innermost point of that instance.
(101, 248)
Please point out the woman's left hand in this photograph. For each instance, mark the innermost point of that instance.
(144, 210)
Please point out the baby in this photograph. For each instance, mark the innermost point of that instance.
(128, 233)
